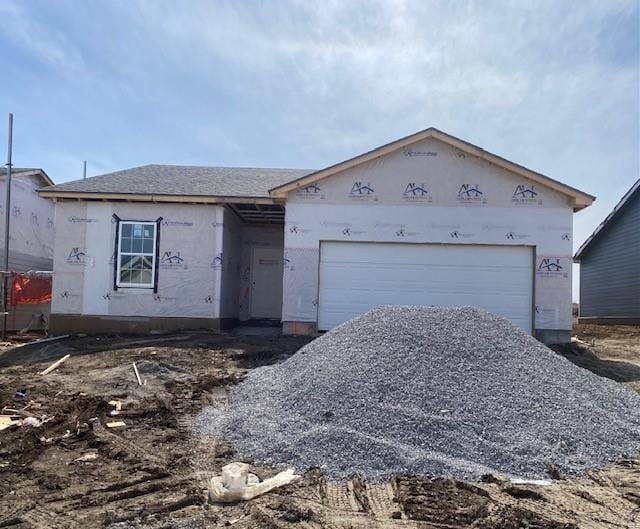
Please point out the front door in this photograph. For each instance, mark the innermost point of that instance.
(266, 283)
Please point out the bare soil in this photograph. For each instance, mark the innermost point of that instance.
(75, 472)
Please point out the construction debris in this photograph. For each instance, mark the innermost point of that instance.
(32, 422)
(153, 475)
(116, 424)
(90, 456)
(55, 365)
(135, 370)
(236, 483)
(7, 420)
(429, 391)
(117, 407)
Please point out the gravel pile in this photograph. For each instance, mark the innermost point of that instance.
(428, 391)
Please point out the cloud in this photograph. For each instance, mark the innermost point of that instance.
(47, 44)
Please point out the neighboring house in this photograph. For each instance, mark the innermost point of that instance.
(610, 265)
(428, 219)
(31, 233)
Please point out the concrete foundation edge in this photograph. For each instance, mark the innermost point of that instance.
(78, 323)
(546, 336)
(553, 336)
(300, 328)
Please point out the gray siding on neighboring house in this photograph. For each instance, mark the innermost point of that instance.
(610, 268)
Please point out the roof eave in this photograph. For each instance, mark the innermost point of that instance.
(35, 172)
(617, 208)
(139, 197)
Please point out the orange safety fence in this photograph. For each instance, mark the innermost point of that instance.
(26, 290)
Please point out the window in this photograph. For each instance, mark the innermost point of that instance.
(136, 254)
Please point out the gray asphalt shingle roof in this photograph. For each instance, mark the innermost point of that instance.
(185, 180)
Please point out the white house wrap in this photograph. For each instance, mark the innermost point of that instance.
(427, 219)
(31, 234)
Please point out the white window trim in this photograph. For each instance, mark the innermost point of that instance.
(119, 283)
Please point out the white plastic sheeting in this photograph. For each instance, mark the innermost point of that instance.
(189, 276)
(30, 240)
(32, 220)
(430, 193)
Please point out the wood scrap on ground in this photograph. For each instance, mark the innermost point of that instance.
(135, 370)
(55, 365)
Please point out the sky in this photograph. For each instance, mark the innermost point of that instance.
(552, 85)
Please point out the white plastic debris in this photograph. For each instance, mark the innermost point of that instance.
(117, 405)
(31, 421)
(90, 456)
(236, 483)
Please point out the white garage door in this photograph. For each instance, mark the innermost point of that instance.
(355, 277)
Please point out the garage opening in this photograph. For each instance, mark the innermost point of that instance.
(357, 276)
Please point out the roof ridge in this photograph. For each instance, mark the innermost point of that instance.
(186, 180)
(219, 167)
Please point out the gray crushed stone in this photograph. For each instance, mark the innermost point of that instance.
(428, 391)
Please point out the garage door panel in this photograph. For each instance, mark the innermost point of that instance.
(355, 277)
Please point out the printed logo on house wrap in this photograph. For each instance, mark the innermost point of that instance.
(414, 191)
(457, 235)
(287, 264)
(161, 298)
(312, 191)
(412, 153)
(514, 236)
(169, 222)
(173, 259)
(398, 229)
(68, 294)
(470, 194)
(294, 228)
(73, 219)
(217, 262)
(362, 191)
(110, 296)
(22, 185)
(77, 256)
(344, 228)
(498, 227)
(348, 231)
(545, 313)
(551, 267)
(526, 195)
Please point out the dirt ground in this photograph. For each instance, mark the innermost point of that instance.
(74, 471)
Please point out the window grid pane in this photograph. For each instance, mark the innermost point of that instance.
(136, 253)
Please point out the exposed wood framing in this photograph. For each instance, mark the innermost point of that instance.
(130, 197)
(259, 213)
